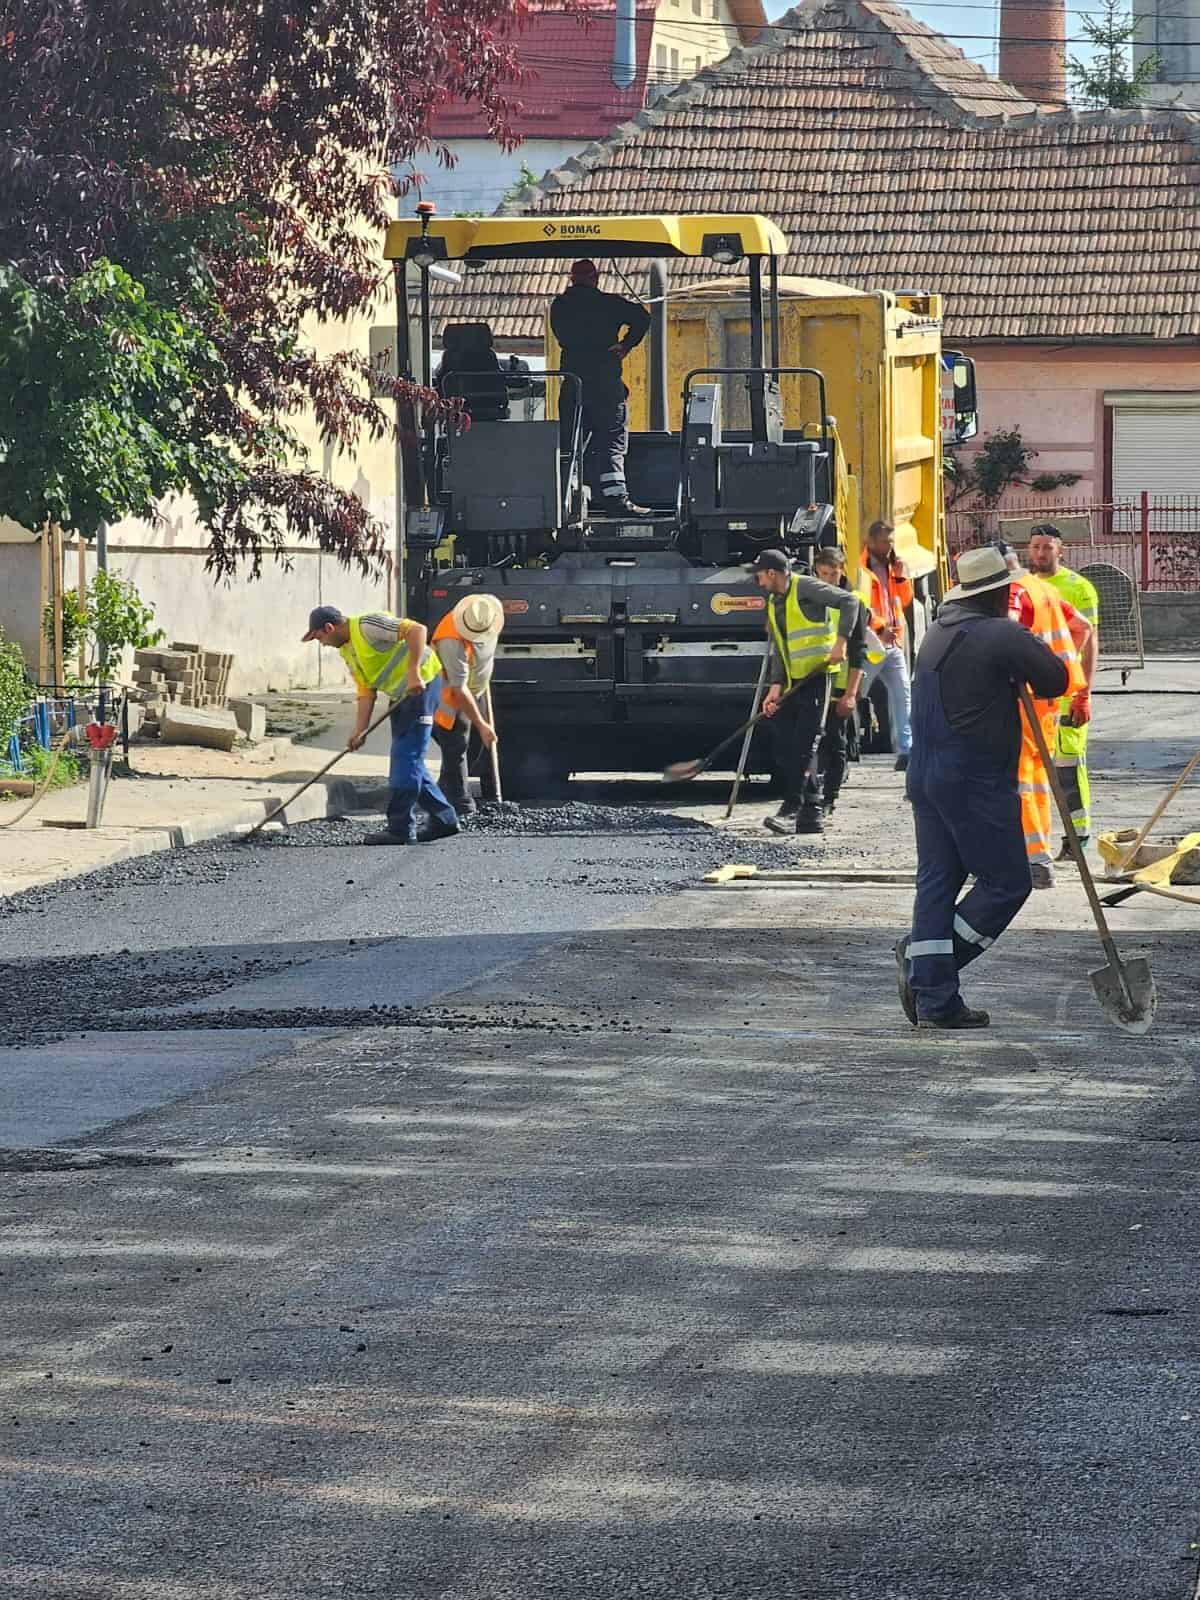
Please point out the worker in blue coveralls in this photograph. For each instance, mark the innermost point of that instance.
(391, 655)
(962, 782)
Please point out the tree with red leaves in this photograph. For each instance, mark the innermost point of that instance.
(180, 187)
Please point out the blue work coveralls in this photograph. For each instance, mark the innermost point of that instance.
(409, 782)
(967, 814)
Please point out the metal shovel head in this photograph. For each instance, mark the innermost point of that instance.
(1111, 984)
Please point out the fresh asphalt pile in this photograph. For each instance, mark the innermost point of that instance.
(113, 950)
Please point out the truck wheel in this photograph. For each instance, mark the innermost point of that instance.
(531, 770)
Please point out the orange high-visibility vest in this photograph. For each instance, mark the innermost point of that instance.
(446, 714)
(1050, 626)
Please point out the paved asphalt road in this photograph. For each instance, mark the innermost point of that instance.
(634, 1248)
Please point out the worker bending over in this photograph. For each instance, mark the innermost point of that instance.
(962, 783)
(808, 623)
(390, 655)
(1036, 606)
(465, 640)
(886, 590)
(596, 331)
(829, 566)
(1075, 711)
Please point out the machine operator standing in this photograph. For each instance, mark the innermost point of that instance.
(808, 623)
(595, 332)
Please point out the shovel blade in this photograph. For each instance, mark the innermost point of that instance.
(1117, 986)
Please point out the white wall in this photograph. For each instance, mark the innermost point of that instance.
(484, 172)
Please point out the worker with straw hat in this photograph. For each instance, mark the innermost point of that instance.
(465, 640)
(962, 783)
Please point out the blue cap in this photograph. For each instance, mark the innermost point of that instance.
(321, 618)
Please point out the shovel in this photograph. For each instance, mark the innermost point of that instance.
(1125, 989)
(292, 798)
(745, 752)
(684, 771)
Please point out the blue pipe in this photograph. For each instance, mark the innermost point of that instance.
(624, 64)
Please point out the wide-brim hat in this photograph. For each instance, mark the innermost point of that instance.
(979, 571)
(479, 615)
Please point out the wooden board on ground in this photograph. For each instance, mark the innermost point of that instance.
(739, 874)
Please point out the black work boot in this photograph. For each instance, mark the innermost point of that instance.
(908, 1001)
(440, 829)
(387, 836)
(966, 1018)
(808, 820)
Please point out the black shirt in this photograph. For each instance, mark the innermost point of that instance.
(978, 661)
(587, 323)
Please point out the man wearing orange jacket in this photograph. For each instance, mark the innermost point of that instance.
(1037, 606)
(885, 587)
(465, 640)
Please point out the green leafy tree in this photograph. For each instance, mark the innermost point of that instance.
(1001, 462)
(1108, 78)
(110, 616)
(14, 689)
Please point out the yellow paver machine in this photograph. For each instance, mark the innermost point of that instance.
(627, 638)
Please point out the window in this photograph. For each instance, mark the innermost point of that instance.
(675, 63)
(696, 4)
(716, 10)
(660, 59)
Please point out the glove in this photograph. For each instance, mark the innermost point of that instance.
(1081, 709)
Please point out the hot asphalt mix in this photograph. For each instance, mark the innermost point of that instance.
(502, 1218)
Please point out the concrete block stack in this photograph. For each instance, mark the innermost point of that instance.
(182, 676)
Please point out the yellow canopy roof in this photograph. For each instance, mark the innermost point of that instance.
(564, 238)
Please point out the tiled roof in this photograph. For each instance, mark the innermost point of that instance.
(569, 93)
(890, 160)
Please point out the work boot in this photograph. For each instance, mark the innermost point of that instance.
(386, 836)
(829, 804)
(780, 824)
(1064, 853)
(463, 805)
(965, 1018)
(901, 762)
(808, 820)
(439, 829)
(908, 1002)
(621, 506)
(1042, 875)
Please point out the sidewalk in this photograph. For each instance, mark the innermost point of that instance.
(178, 795)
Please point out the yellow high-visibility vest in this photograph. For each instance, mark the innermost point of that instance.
(384, 670)
(804, 647)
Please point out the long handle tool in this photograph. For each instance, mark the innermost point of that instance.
(684, 771)
(292, 798)
(1125, 989)
(741, 766)
(1131, 854)
(494, 752)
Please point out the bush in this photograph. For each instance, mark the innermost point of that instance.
(14, 689)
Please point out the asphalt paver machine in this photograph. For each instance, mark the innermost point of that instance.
(628, 641)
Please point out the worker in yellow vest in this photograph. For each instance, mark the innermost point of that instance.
(808, 623)
(391, 655)
(1075, 711)
(465, 640)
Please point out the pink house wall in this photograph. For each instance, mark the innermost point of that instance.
(1055, 395)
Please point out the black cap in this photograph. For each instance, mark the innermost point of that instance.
(320, 618)
(771, 561)
(1046, 528)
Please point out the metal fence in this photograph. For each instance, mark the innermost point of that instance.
(1154, 540)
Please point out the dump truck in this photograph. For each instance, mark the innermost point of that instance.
(766, 411)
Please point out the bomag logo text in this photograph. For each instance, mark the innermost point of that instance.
(573, 230)
(723, 604)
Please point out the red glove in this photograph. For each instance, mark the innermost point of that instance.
(1081, 708)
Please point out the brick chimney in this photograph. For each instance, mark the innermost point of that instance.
(1033, 37)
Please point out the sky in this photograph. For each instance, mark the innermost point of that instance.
(971, 25)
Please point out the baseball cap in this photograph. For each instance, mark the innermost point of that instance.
(320, 618)
(584, 271)
(770, 561)
(1046, 528)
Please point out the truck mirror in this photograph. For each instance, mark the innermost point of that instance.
(960, 418)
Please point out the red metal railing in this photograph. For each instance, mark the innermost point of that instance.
(1155, 539)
